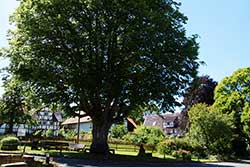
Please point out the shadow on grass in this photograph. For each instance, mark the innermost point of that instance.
(71, 159)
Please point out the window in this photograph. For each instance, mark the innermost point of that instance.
(168, 124)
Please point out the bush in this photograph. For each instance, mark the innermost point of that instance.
(47, 133)
(132, 138)
(182, 154)
(70, 134)
(211, 130)
(118, 131)
(146, 135)
(9, 143)
(119, 141)
(61, 132)
(182, 143)
(167, 146)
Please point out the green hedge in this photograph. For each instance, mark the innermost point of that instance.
(9, 143)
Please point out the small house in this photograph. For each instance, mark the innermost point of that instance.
(169, 123)
(72, 124)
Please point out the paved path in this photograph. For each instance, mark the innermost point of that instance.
(64, 162)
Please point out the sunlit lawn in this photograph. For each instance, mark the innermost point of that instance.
(121, 152)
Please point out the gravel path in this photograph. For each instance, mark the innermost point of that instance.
(64, 162)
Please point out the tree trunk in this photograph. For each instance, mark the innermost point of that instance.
(10, 128)
(100, 135)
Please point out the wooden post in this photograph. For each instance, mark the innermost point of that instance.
(78, 128)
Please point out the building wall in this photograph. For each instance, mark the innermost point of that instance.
(84, 126)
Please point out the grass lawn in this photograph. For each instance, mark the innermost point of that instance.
(122, 152)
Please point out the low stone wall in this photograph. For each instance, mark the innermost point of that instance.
(11, 158)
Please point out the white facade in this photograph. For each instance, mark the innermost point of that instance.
(72, 124)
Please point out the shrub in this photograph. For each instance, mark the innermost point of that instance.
(9, 143)
(169, 145)
(70, 134)
(146, 135)
(118, 131)
(47, 133)
(184, 144)
(61, 132)
(211, 129)
(166, 146)
(182, 154)
(119, 141)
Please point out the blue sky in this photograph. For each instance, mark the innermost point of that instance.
(223, 27)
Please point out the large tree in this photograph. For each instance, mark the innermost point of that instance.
(105, 57)
(201, 90)
(232, 96)
(210, 129)
(13, 108)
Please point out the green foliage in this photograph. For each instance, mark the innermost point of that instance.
(107, 57)
(232, 96)
(245, 119)
(210, 130)
(47, 133)
(166, 146)
(119, 141)
(70, 134)
(9, 140)
(13, 107)
(146, 135)
(9, 143)
(169, 145)
(61, 132)
(201, 90)
(118, 131)
(183, 154)
(232, 93)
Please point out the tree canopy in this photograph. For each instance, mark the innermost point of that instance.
(232, 96)
(245, 119)
(201, 90)
(106, 57)
(210, 129)
(13, 108)
(233, 93)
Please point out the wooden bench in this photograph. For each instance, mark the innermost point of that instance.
(49, 145)
(15, 164)
(77, 147)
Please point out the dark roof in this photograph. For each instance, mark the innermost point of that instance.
(171, 117)
(157, 120)
(153, 120)
(58, 116)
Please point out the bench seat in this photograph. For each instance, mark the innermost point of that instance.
(15, 164)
